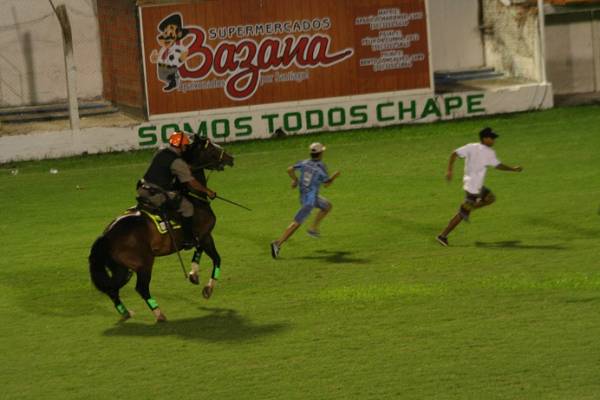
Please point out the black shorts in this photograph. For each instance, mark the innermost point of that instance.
(474, 198)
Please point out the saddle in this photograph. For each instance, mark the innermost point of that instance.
(157, 215)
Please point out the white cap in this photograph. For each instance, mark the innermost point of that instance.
(316, 148)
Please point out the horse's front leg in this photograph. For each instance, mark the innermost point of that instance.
(211, 250)
(212, 282)
(193, 276)
(143, 288)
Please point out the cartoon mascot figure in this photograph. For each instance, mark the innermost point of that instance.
(173, 51)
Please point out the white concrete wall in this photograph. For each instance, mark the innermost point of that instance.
(380, 110)
(32, 69)
(456, 42)
(512, 39)
(573, 55)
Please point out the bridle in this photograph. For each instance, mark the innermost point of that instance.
(216, 163)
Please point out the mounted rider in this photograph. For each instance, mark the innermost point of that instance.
(158, 185)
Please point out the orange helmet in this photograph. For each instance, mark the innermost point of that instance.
(178, 139)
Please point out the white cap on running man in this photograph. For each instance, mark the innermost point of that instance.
(316, 148)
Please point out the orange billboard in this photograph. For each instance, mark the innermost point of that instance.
(227, 53)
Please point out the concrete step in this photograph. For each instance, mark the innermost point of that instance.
(49, 112)
(472, 74)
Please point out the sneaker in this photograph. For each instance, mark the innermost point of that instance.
(274, 249)
(442, 240)
(313, 233)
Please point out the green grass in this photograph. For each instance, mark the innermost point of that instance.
(374, 309)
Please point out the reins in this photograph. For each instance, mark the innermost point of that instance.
(210, 163)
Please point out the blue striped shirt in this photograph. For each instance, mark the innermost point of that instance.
(312, 174)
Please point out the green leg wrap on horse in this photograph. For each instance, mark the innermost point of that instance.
(153, 304)
(122, 309)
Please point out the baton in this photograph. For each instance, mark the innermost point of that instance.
(233, 202)
(170, 230)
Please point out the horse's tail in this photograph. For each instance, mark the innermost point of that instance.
(99, 261)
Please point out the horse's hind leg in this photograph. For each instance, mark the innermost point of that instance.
(100, 263)
(121, 309)
(143, 288)
(120, 277)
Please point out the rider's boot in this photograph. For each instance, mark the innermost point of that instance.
(189, 240)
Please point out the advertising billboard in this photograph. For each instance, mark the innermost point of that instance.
(221, 54)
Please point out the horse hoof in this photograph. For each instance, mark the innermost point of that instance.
(126, 316)
(207, 292)
(161, 318)
(193, 277)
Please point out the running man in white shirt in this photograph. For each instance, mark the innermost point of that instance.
(478, 156)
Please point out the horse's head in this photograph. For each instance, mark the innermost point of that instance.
(203, 153)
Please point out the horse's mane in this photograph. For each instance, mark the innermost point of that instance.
(188, 155)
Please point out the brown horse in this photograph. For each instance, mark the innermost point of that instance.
(132, 241)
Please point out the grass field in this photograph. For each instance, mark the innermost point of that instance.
(374, 309)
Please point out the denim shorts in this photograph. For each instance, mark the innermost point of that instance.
(320, 202)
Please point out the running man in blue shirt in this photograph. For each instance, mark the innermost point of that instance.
(313, 173)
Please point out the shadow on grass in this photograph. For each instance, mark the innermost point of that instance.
(516, 244)
(424, 229)
(569, 229)
(221, 325)
(335, 257)
(583, 300)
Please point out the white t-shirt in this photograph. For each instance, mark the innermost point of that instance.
(477, 158)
